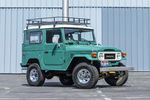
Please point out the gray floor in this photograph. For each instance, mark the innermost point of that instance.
(14, 87)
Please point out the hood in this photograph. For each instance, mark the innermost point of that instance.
(91, 48)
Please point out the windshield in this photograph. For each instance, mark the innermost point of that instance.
(79, 35)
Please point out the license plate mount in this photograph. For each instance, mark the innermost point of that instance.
(104, 63)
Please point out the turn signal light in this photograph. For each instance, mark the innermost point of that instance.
(124, 54)
(94, 54)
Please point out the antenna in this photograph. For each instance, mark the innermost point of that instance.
(65, 12)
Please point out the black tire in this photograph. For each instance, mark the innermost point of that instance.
(117, 79)
(40, 75)
(66, 80)
(92, 80)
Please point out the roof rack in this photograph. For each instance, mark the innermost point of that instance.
(57, 20)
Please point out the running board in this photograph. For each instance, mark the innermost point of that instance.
(120, 68)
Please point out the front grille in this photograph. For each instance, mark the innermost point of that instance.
(109, 56)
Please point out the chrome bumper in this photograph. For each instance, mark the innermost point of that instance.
(121, 68)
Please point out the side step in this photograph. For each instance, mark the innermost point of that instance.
(115, 68)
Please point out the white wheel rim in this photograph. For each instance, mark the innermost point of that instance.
(84, 76)
(34, 75)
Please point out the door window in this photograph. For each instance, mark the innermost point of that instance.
(51, 34)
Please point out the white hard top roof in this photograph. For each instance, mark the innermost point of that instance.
(57, 26)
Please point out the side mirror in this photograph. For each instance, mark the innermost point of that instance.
(55, 40)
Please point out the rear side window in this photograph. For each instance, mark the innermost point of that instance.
(33, 37)
(27, 37)
(36, 37)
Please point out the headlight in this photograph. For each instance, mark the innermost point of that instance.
(119, 56)
(101, 56)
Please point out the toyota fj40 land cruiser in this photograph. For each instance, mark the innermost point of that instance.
(53, 47)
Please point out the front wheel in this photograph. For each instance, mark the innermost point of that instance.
(35, 76)
(117, 79)
(85, 76)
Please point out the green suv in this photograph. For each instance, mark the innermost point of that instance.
(68, 49)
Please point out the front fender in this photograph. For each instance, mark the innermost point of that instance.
(124, 58)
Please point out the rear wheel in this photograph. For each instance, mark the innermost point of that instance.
(85, 76)
(117, 79)
(35, 76)
(66, 80)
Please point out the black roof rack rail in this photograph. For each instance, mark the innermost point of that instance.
(57, 20)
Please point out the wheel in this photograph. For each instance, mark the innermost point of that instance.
(66, 80)
(85, 76)
(35, 77)
(117, 79)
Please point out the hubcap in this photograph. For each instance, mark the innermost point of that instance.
(84, 76)
(34, 75)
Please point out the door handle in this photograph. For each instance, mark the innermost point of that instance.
(46, 52)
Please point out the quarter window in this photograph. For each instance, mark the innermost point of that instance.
(27, 37)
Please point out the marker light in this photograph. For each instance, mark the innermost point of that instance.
(124, 54)
(94, 54)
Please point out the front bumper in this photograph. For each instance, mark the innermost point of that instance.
(120, 68)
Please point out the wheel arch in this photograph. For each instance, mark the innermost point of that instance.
(77, 60)
(33, 60)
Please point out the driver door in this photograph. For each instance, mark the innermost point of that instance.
(54, 48)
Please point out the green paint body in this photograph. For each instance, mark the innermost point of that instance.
(60, 55)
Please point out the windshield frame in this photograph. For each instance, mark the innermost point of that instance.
(92, 30)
